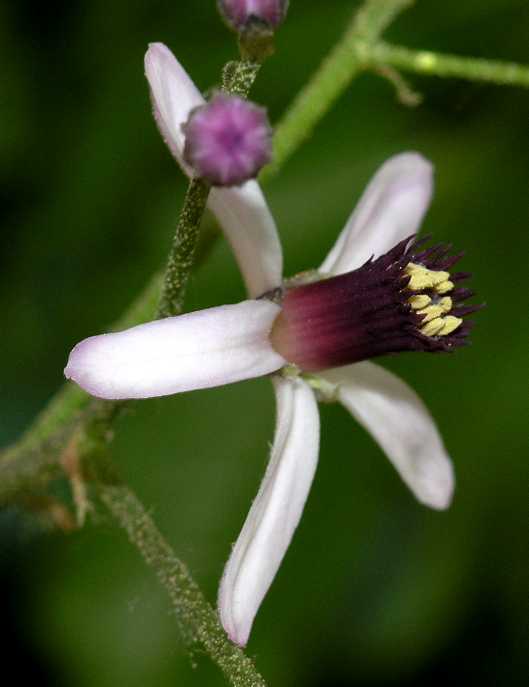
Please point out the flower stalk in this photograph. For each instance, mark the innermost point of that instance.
(191, 608)
(451, 66)
(361, 49)
(345, 61)
(182, 253)
(195, 616)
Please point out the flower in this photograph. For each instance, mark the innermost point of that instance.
(377, 291)
(228, 140)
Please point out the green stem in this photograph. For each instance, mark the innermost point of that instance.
(332, 78)
(190, 606)
(237, 79)
(34, 458)
(182, 253)
(196, 618)
(375, 16)
(439, 64)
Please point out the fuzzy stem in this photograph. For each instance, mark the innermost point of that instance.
(196, 618)
(237, 79)
(191, 608)
(443, 65)
(182, 253)
(34, 459)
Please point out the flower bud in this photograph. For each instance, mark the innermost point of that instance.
(240, 14)
(228, 140)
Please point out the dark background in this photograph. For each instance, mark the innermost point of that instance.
(375, 590)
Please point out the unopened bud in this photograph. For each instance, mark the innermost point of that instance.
(228, 140)
(240, 14)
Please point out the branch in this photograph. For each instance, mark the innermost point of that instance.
(332, 78)
(439, 64)
(182, 253)
(375, 16)
(34, 458)
(190, 605)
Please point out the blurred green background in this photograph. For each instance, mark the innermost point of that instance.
(375, 590)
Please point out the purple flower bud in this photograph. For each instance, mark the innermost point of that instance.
(228, 140)
(240, 13)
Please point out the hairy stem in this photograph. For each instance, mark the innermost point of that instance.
(439, 64)
(182, 253)
(34, 459)
(195, 616)
(190, 606)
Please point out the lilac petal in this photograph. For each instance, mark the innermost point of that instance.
(276, 511)
(242, 212)
(201, 349)
(400, 423)
(173, 94)
(391, 208)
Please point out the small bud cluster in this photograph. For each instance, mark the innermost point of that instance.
(228, 140)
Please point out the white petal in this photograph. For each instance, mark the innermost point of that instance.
(276, 511)
(241, 211)
(391, 208)
(401, 424)
(201, 349)
(173, 94)
(251, 231)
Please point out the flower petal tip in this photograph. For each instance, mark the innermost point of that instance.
(438, 493)
(238, 630)
(435, 482)
(155, 52)
(240, 639)
(390, 209)
(412, 157)
(82, 366)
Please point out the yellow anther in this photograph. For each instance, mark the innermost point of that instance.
(444, 287)
(451, 323)
(446, 304)
(441, 326)
(434, 327)
(431, 313)
(419, 302)
(422, 278)
(436, 321)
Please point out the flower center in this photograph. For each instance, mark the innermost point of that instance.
(405, 300)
